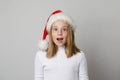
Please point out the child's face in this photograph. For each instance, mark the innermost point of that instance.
(59, 32)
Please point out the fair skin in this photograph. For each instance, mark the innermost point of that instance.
(59, 32)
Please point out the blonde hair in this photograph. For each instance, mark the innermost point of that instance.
(70, 46)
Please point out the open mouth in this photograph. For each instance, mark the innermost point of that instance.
(59, 39)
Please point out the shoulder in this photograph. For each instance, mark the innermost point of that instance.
(40, 54)
(80, 55)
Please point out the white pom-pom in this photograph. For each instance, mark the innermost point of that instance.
(43, 45)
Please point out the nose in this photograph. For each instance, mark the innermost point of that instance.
(60, 32)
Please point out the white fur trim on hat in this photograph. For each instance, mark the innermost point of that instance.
(60, 16)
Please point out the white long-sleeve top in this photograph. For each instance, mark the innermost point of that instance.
(60, 67)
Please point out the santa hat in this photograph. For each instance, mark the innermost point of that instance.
(56, 15)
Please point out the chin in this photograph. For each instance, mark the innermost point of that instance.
(60, 44)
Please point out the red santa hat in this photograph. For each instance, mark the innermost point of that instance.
(56, 15)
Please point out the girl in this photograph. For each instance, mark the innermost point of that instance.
(58, 57)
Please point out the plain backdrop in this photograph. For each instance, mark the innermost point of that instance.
(97, 34)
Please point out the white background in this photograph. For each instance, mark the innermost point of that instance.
(97, 34)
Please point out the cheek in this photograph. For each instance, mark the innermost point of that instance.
(53, 35)
(65, 35)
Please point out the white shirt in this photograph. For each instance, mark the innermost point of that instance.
(60, 67)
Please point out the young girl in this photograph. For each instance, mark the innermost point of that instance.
(58, 57)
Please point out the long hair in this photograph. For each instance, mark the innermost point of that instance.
(70, 46)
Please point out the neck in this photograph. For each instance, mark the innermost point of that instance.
(61, 47)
